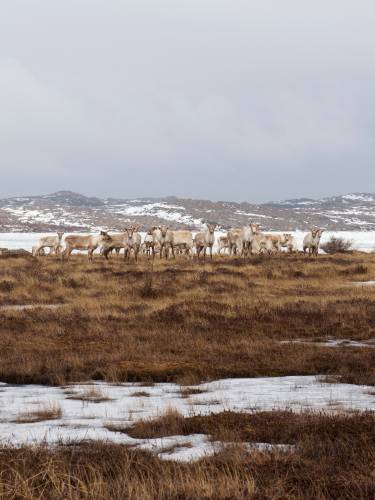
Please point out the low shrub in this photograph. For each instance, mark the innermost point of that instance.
(337, 245)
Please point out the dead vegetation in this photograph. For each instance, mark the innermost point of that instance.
(91, 395)
(333, 458)
(49, 412)
(186, 392)
(183, 321)
(337, 245)
(274, 427)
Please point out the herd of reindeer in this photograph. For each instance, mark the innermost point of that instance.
(245, 241)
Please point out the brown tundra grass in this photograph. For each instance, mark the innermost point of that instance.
(189, 322)
(49, 412)
(334, 458)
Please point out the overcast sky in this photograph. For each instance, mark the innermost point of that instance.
(220, 99)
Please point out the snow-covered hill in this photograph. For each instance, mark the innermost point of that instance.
(75, 212)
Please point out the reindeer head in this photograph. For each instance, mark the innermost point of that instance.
(211, 228)
(254, 227)
(287, 237)
(164, 230)
(60, 234)
(130, 230)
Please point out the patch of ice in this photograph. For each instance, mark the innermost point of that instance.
(358, 197)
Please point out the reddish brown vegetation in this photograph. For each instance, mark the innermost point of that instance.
(334, 458)
(183, 320)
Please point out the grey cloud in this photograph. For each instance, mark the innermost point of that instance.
(223, 100)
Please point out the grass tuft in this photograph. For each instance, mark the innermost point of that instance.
(49, 412)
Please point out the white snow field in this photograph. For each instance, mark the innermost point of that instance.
(125, 403)
(362, 240)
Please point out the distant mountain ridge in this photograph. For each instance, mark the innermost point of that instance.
(69, 211)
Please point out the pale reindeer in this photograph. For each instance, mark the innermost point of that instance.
(163, 235)
(280, 241)
(169, 240)
(88, 242)
(204, 240)
(234, 241)
(117, 242)
(311, 241)
(248, 239)
(182, 241)
(38, 252)
(149, 242)
(51, 242)
(256, 242)
(223, 244)
(287, 241)
(133, 242)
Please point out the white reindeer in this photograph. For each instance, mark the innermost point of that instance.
(205, 240)
(133, 242)
(311, 241)
(51, 242)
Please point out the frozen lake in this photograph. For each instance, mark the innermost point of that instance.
(362, 240)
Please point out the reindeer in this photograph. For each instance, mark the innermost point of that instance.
(311, 241)
(51, 242)
(88, 242)
(132, 242)
(205, 240)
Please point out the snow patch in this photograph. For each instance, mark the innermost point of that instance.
(358, 197)
(88, 420)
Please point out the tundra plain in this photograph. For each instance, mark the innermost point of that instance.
(187, 322)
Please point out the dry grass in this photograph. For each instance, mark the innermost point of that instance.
(169, 424)
(275, 427)
(140, 394)
(334, 458)
(92, 395)
(49, 412)
(186, 392)
(184, 321)
(189, 322)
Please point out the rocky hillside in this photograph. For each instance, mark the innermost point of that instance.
(70, 211)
